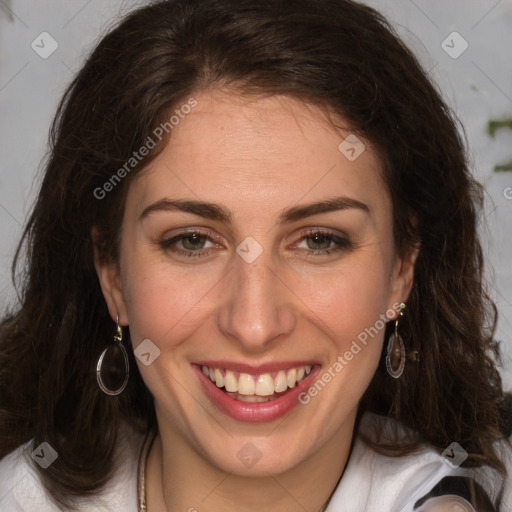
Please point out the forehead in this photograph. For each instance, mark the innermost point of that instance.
(276, 150)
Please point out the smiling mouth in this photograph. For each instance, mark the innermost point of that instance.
(263, 387)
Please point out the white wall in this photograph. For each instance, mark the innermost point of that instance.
(478, 84)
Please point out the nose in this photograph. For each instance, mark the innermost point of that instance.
(257, 306)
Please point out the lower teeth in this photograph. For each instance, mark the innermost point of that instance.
(253, 398)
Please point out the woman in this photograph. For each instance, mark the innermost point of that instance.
(254, 280)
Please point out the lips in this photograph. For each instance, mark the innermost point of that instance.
(251, 394)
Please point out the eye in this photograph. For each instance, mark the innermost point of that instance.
(193, 241)
(190, 244)
(319, 242)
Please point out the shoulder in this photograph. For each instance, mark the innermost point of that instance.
(415, 482)
(22, 491)
(18, 484)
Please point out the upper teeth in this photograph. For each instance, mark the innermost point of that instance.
(265, 384)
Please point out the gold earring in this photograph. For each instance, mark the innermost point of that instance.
(395, 356)
(113, 368)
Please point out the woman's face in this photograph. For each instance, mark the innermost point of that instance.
(256, 250)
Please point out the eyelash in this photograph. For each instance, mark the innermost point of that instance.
(341, 243)
(170, 244)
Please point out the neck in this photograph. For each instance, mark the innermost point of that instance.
(178, 478)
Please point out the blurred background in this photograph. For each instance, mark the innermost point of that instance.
(465, 45)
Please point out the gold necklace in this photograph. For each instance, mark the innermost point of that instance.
(141, 471)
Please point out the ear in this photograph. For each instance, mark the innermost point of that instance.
(402, 278)
(110, 283)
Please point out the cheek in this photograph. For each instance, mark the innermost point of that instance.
(166, 307)
(163, 301)
(348, 301)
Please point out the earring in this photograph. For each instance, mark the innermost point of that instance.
(395, 356)
(113, 370)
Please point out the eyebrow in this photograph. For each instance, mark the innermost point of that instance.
(219, 213)
(329, 205)
(203, 209)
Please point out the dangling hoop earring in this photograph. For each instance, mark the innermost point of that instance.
(395, 356)
(113, 369)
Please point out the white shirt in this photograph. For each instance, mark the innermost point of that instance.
(371, 482)
(22, 491)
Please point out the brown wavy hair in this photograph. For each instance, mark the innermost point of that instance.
(336, 54)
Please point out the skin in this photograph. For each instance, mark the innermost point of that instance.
(255, 157)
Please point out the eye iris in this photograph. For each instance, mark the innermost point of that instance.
(318, 241)
(193, 241)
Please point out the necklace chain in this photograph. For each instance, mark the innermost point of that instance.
(141, 472)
